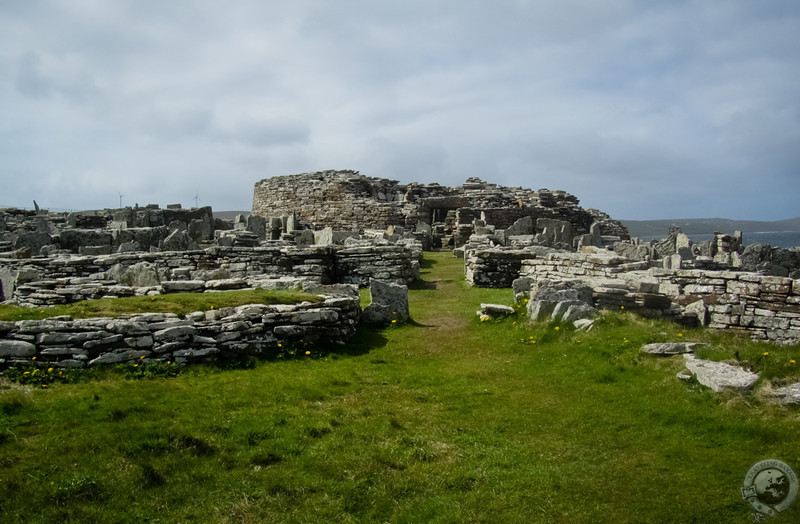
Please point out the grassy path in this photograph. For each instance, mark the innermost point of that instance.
(443, 419)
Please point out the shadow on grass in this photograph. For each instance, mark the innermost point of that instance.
(367, 338)
(422, 284)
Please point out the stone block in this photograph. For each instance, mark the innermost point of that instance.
(16, 348)
(720, 376)
(388, 302)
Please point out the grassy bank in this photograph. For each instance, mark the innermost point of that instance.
(443, 419)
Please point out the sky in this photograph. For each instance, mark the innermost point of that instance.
(642, 109)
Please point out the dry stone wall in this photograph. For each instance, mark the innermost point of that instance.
(61, 280)
(347, 200)
(254, 329)
(762, 307)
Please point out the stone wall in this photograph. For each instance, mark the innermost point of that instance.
(760, 306)
(254, 329)
(48, 281)
(347, 200)
(102, 231)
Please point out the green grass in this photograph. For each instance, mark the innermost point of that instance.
(441, 419)
(180, 303)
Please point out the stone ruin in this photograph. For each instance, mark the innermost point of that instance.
(343, 230)
(437, 216)
(721, 284)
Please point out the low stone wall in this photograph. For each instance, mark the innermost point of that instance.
(494, 268)
(254, 329)
(48, 281)
(759, 306)
(357, 265)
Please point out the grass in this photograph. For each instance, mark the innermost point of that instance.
(180, 303)
(441, 419)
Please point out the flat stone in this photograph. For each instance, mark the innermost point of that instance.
(669, 348)
(174, 333)
(119, 356)
(720, 376)
(788, 395)
(497, 310)
(16, 348)
(183, 286)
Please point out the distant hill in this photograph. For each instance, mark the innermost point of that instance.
(702, 226)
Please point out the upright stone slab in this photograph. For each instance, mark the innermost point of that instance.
(389, 302)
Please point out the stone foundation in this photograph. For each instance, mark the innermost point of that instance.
(254, 329)
(49, 281)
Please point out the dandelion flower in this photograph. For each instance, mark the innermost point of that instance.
(41, 311)
(622, 307)
(27, 373)
(33, 358)
(140, 358)
(557, 328)
(791, 361)
(680, 334)
(280, 346)
(766, 353)
(136, 365)
(526, 300)
(308, 352)
(49, 370)
(44, 385)
(394, 321)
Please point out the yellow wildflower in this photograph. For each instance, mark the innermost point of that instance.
(44, 385)
(557, 328)
(394, 321)
(308, 352)
(49, 370)
(140, 358)
(766, 353)
(680, 334)
(27, 373)
(33, 358)
(791, 361)
(622, 307)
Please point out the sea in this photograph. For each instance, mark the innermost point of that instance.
(785, 239)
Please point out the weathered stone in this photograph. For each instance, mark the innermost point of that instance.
(720, 376)
(183, 286)
(16, 348)
(123, 355)
(788, 395)
(174, 333)
(388, 302)
(497, 310)
(669, 348)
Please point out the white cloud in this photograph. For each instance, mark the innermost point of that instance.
(641, 109)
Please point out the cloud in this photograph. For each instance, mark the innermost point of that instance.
(641, 109)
